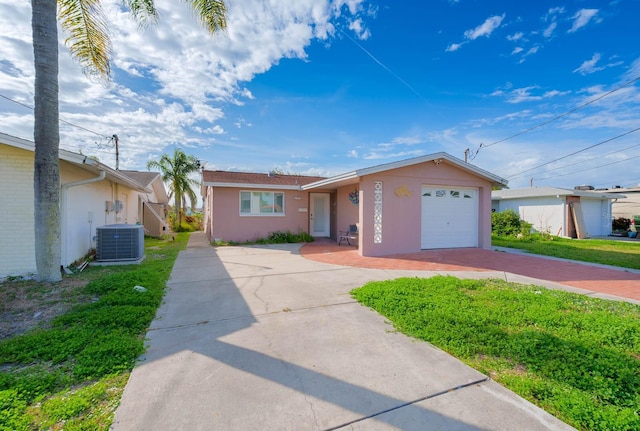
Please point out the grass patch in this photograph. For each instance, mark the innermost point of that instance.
(68, 373)
(576, 357)
(625, 254)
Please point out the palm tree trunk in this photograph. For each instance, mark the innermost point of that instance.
(46, 179)
(178, 196)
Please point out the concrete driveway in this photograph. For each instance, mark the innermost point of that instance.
(260, 338)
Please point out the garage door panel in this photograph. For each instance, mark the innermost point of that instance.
(449, 217)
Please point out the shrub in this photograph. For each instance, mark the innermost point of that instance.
(281, 237)
(620, 223)
(508, 223)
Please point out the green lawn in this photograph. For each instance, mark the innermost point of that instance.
(70, 374)
(625, 254)
(574, 356)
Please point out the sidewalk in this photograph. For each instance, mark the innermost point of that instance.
(260, 338)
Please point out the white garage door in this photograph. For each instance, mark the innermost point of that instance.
(449, 217)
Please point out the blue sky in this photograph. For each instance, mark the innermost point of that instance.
(323, 87)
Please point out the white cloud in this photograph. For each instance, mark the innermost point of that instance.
(407, 140)
(375, 155)
(548, 32)
(634, 70)
(582, 18)
(517, 50)
(515, 37)
(556, 10)
(185, 79)
(486, 28)
(589, 66)
(533, 50)
(527, 94)
(554, 93)
(358, 27)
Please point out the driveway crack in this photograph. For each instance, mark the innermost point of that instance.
(258, 297)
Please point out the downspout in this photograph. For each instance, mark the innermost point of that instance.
(64, 188)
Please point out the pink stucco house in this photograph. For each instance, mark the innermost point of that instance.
(427, 202)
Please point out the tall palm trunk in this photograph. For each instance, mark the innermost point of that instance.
(178, 204)
(47, 139)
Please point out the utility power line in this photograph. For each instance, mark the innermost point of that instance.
(575, 152)
(589, 169)
(587, 160)
(564, 114)
(60, 119)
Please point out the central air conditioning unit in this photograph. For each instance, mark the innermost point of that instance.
(119, 242)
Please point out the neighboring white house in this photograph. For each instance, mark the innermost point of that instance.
(92, 195)
(556, 210)
(627, 203)
(152, 207)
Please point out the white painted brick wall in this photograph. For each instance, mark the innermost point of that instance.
(17, 240)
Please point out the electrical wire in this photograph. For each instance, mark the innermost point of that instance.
(595, 157)
(564, 114)
(60, 119)
(589, 159)
(574, 153)
(585, 170)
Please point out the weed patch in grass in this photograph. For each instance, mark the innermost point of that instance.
(574, 356)
(68, 371)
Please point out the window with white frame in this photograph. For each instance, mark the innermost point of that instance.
(261, 203)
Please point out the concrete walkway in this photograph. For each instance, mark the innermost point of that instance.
(260, 338)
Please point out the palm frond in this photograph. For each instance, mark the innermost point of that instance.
(212, 14)
(143, 11)
(88, 39)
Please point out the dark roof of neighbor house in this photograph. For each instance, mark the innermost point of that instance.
(142, 177)
(537, 192)
(233, 179)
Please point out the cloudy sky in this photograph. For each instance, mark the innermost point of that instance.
(542, 92)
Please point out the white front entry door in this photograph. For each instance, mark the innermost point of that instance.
(319, 214)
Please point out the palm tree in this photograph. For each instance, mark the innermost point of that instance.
(175, 172)
(89, 43)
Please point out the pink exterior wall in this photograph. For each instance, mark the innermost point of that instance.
(348, 212)
(401, 215)
(227, 224)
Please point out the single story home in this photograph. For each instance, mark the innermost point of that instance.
(92, 195)
(152, 207)
(432, 201)
(573, 213)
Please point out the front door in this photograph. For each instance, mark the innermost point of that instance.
(319, 214)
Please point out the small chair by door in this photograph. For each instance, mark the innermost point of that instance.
(348, 235)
